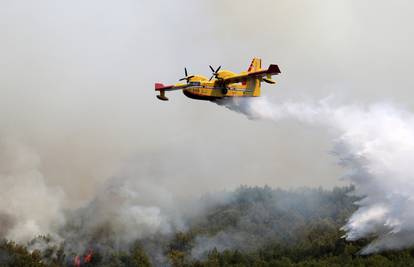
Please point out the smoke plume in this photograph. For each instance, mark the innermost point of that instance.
(75, 104)
(28, 205)
(127, 209)
(375, 144)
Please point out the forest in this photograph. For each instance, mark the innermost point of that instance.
(254, 226)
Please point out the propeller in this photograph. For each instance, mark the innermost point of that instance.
(187, 78)
(215, 72)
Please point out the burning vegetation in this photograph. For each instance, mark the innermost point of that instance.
(83, 260)
(253, 226)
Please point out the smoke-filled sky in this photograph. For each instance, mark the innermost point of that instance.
(77, 104)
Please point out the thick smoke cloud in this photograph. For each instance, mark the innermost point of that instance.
(376, 146)
(77, 105)
(128, 209)
(28, 204)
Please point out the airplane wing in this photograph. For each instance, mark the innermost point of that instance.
(162, 87)
(272, 70)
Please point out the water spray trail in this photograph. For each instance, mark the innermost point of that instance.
(376, 145)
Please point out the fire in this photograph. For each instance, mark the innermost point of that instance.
(78, 261)
(88, 257)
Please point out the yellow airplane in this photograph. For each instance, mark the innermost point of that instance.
(224, 84)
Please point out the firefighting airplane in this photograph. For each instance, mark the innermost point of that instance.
(224, 84)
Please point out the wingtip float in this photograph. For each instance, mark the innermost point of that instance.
(222, 83)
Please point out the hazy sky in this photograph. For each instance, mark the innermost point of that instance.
(76, 86)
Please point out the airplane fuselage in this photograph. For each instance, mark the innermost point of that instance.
(202, 89)
(215, 91)
(225, 83)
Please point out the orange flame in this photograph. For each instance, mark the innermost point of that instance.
(77, 261)
(86, 259)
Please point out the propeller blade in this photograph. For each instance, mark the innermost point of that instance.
(185, 71)
(211, 77)
(218, 69)
(212, 69)
(187, 78)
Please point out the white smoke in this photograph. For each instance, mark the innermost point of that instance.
(134, 207)
(375, 144)
(28, 206)
(124, 211)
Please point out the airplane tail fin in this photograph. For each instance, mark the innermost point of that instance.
(256, 65)
(254, 84)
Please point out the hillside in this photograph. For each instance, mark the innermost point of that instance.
(251, 226)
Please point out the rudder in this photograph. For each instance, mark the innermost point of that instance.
(254, 84)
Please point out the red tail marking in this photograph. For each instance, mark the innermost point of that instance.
(250, 67)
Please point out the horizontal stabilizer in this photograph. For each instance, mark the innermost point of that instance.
(273, 69)
(244, 77)
(268, 80)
